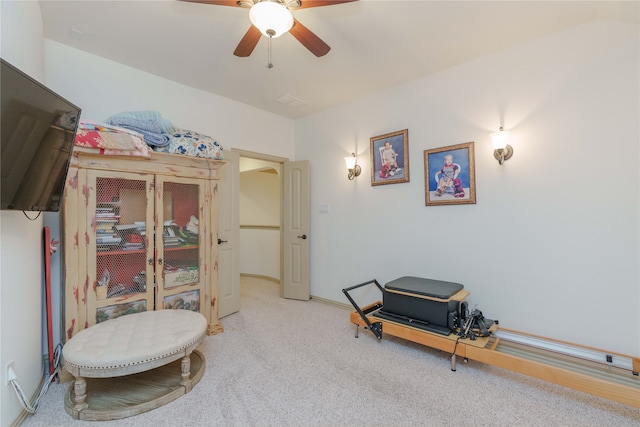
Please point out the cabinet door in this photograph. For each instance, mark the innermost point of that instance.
(182, 225)
(119, 244)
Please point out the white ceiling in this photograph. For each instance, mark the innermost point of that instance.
(375, 44)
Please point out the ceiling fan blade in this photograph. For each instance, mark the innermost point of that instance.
(316, 3)
(308, 39)
(248, 42)
(216, 2)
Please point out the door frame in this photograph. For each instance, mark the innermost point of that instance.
(281, 161)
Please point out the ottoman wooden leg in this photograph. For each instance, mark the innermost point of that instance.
(80, 390)
(186, 372)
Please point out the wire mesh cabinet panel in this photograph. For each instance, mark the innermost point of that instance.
(120, 253)
(138, 241)
(182, 227)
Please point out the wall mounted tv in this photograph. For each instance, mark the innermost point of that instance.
(37, 134)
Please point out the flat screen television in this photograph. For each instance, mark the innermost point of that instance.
(37, 134)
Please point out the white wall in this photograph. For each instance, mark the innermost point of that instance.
(21, 278)
(552, 245)
(260, 199)
(260, 252)
(102, 88)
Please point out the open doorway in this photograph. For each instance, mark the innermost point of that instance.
(260, 218)
(274, 221)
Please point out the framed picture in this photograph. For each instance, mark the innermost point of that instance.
(390, 158)
(450, 175)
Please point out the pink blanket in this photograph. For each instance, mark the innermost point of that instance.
(111, 140)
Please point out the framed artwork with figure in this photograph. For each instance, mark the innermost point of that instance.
(449, 175)
(390, 158)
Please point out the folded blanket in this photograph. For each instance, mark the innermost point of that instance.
(150, 124)
(111, 141)
(151, 138)
(89, 124)
(147, 120)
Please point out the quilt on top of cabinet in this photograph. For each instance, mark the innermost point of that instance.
(163, 137)
(191, 143)
(111, 140)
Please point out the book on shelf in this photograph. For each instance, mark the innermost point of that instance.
(104, 226)
(142, 227)
(107, 246)
(132, 236)
(100, 212)
(188, 236)
(127, 227)
(132, 246)
(172, 241)
(102, 240)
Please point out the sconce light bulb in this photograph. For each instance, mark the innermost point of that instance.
(500, 139)
(502, 150)
(351, 161)
(352, 166)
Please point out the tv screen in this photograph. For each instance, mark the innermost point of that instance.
(37, 134)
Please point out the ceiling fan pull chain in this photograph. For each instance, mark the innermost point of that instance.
(269, 65)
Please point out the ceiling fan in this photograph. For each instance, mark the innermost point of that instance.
(284, 22)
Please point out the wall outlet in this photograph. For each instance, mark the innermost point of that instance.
(10, 374)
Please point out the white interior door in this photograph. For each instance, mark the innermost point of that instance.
(295, 256)
(229, 236)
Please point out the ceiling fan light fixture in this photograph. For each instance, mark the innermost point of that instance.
(272, 18)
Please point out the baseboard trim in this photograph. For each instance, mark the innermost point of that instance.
(315, 298)
(333, 303)
(260, 276)
(24, 413)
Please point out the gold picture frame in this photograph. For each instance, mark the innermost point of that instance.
(390, 158)
(450, 175)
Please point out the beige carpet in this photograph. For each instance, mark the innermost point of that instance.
(296, 363)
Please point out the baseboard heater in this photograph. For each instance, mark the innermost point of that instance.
(609, 375)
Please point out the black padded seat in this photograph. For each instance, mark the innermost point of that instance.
(425, 287)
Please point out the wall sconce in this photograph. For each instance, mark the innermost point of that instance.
(352, 166)
(502, 150)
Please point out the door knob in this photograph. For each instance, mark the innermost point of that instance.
(221, 241)
(303, 237)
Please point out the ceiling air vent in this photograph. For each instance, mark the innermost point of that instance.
(291, 101)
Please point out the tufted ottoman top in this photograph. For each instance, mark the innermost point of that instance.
(134, 339)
